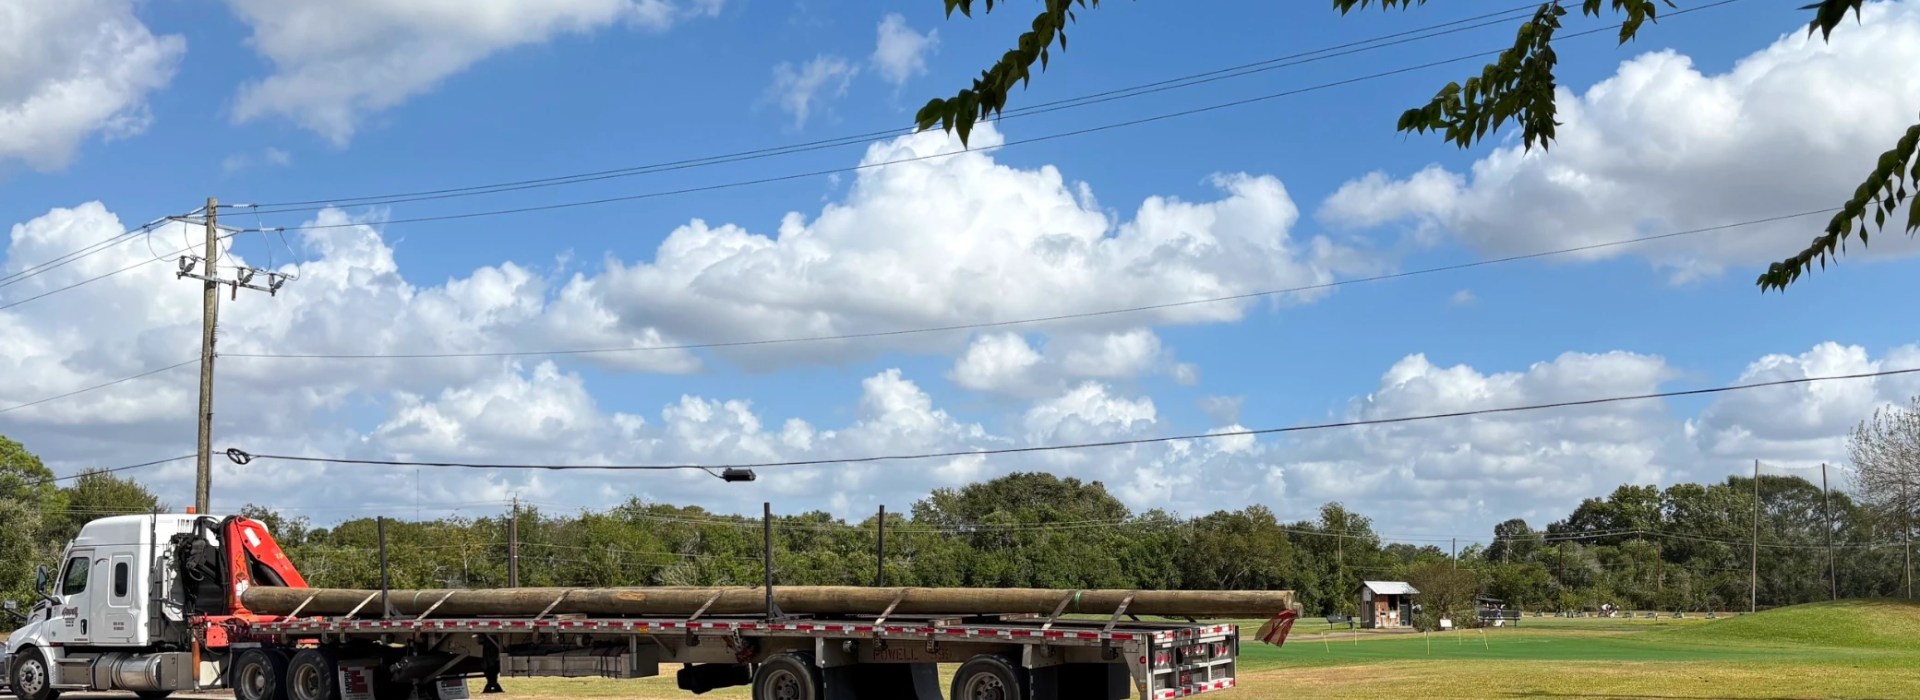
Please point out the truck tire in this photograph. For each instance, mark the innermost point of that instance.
(989, 677)
(29, 677)
(789, 676)
(259, 674)
(314, 674)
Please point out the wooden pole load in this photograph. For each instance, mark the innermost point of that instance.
(750, 600)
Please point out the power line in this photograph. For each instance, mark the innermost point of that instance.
(1017, 142)
(243, 457)
(103, 385)
(72, 256)
(866, 166)
(112, 470)
(84, 282)
(1045, 319)
(1189, 80)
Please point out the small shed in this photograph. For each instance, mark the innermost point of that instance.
(1386, 604)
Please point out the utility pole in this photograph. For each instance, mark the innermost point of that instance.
(1833, 572)
(880, 550)
(513, 545)
(209, 318)
(1456, 554)
(209, 330)
(1906, 534)
(1753, 577)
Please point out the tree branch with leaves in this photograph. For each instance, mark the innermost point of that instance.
(1518, 86)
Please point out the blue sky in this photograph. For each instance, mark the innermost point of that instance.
(589, 85)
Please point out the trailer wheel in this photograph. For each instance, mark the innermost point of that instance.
(259, 674)
(790, 676)
(29, 677)
(313, 675)
(989, 677)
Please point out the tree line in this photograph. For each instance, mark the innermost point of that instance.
(1685, 547)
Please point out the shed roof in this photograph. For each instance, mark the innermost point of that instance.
(1390, 588)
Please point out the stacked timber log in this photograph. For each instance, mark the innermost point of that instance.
(793, 600)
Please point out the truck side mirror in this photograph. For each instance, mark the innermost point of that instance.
(40, 579)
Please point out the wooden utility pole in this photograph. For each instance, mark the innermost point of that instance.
(1753, 577)
(513, 545)
(209, 276)
(1906, 534)
(1456, 553)
(880, 550)
(1833, 572)
(209, 319)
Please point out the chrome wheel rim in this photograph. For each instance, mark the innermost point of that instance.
(986, 686)
(784, 684)
(253, 680)
(33, 677)
(306, 682)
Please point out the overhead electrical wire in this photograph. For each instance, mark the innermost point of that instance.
(111, 470)
(954, 327)
(855, 168)
(1241, 70)
(932, 156)
(103, 385)
(74, 256)
(1051, 318)
(244, 457)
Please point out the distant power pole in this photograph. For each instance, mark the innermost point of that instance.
(1906, 534)
(1833, 572)
(209, 325)
(513, 546)
(1753, 578)
(1456, 553)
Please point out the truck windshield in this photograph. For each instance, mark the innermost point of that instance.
(74, 579)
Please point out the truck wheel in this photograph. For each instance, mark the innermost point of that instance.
(29, 677)
(259, 674)
(989, 677)
(314, 674)
(790, 676)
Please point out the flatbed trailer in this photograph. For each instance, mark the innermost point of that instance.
(809, 657)
(193, 632)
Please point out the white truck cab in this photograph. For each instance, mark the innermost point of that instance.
(109, 617)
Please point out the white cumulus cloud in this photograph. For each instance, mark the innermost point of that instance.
(71, 69)
(338, 61)
(900, 53)
(798, 90)
(1661, 146)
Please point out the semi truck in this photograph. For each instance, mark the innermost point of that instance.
(154, 604)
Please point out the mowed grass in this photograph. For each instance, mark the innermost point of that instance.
(1852, 649)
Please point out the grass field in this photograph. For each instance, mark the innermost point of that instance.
(1851, 649)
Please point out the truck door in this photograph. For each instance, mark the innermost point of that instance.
(116, 621)
(72, 622)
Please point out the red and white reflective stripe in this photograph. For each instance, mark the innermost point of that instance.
(1196, 689)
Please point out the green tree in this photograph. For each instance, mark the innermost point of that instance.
(1445, 591)
(1517, 86)
(98, 494)
(29, 501)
